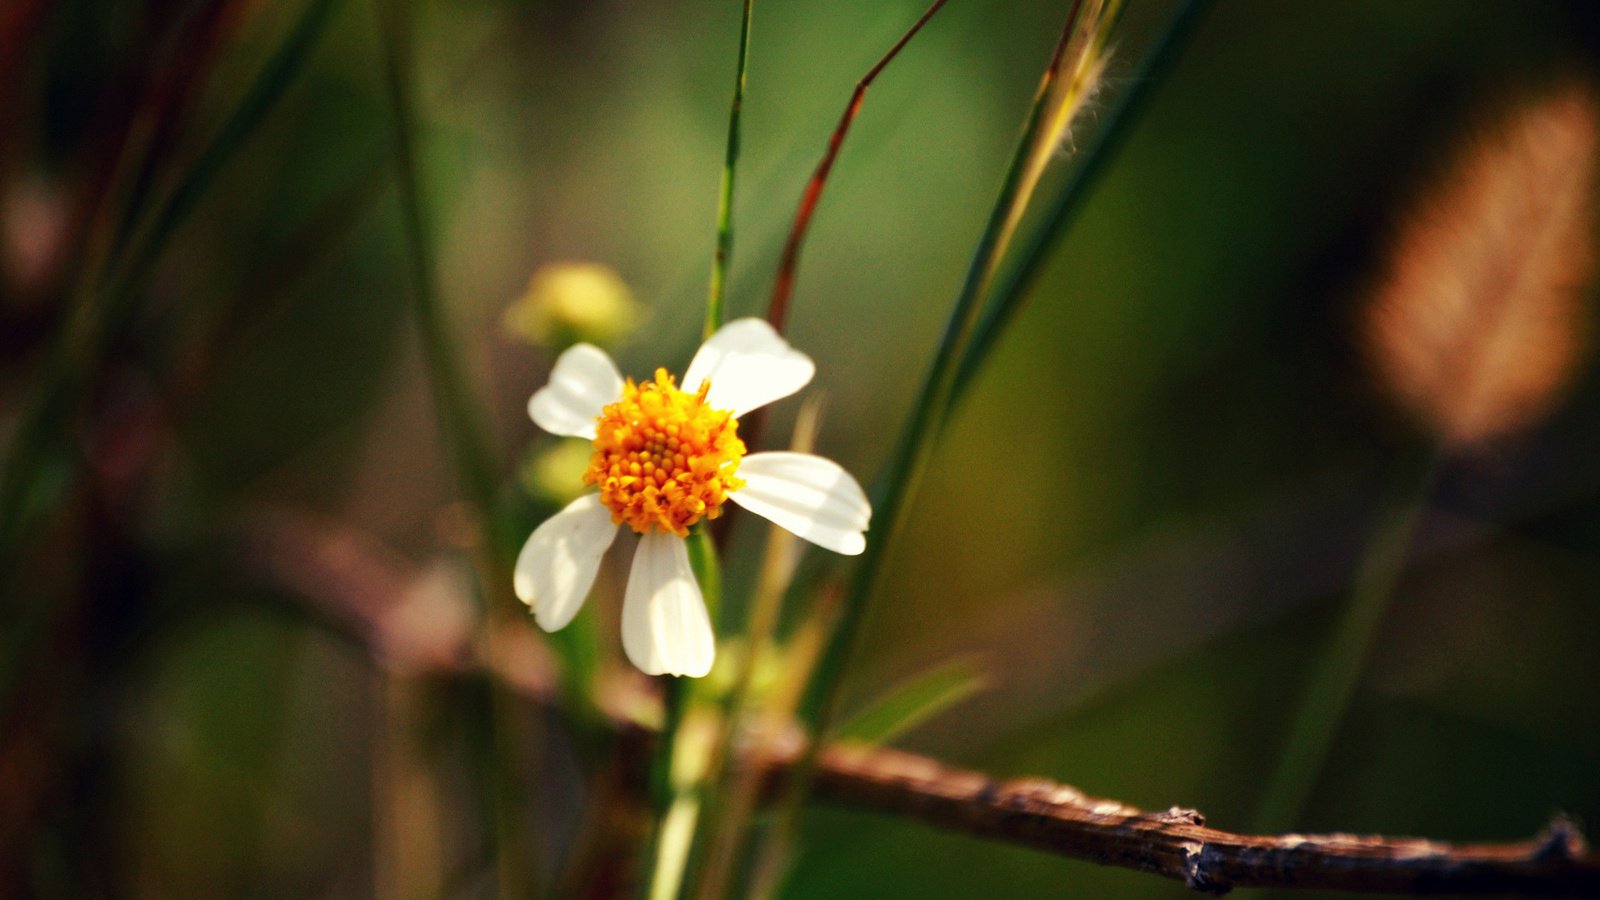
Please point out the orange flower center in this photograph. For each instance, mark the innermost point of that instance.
(663, 458)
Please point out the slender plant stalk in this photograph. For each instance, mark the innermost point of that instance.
(680, 820)
(735, 800)
(682, 758)
(1007, 296)
(463, 427)
(678, 810)
(464, 435)
(789, 263)
(1333, 682)
(40, 467)
(724, 251)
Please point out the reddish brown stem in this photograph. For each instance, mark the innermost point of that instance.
(783, 287)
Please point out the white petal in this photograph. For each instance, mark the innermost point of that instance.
(809, 495)
(583, 381)
(665, 629)
(557, 565)
(749, 365)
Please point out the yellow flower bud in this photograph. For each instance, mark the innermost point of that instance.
(555, 473)
(571, 302)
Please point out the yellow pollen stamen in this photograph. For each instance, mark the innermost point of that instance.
(663, 458)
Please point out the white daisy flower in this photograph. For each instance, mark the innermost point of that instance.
(664, 459)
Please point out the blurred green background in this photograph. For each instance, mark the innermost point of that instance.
(1141, 523)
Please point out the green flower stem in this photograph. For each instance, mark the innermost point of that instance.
(682, 758)
(737, 786)
(1333, 682)
(1007, 296)
(41, 467)
(724, 251)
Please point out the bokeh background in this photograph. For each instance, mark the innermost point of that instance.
(1140, 524)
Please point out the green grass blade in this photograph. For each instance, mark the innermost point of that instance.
(914, 702)
(1008, 294)
(898, 481)
(1333, 681)
(462, 422)
(724, 251)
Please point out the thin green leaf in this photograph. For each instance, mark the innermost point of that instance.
(1335, 676)
(1007, 296)
(914, 702)
(724, 252)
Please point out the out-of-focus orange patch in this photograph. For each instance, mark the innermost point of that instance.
(1479, 322)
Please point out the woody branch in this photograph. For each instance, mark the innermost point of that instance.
(330, 567)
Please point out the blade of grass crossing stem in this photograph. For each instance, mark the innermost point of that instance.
(789, 262)
(914, 702)
(1332, 684)
(40, 443)
(724, 251)
(1008, 294)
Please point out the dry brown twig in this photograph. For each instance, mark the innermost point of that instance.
(1175, 843)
